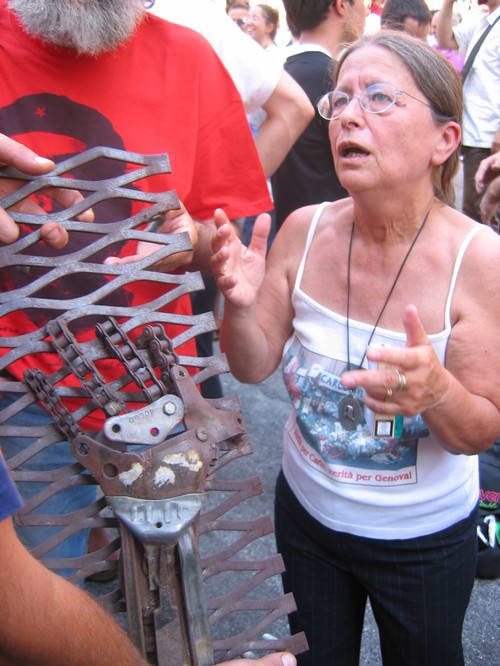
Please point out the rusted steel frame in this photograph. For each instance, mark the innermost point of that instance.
(102, 189)
(164, 592)
(214, 429)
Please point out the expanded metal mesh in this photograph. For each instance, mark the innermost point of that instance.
(57, 325)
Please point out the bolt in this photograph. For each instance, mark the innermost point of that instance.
(114, 408)
(202, 434)
(169, 408)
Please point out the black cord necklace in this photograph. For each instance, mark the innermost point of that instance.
(350, 407)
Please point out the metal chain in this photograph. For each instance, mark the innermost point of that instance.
(161, 349)
(91, 379)
(46, 394)
(153, 340)
(122, 348)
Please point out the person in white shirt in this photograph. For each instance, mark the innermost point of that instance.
(481, 121)
(261, 82)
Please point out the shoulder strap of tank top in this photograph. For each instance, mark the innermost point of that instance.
(310, 236)
(458, 263)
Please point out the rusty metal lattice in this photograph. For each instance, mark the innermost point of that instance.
(159, 458)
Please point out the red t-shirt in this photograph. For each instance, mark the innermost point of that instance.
(164, 91)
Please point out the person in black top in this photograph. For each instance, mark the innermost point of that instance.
(307, 175)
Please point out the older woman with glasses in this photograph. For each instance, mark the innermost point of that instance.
(384, 309)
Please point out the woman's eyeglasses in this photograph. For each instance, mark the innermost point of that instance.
(376, 98)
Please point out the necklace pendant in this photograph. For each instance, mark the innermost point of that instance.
(349, 412)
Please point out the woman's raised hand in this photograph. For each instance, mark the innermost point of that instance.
(239, 271)
(411, 379)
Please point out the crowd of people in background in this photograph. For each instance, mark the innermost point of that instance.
(261, 22)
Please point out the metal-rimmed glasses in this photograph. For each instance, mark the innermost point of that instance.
(377, 98)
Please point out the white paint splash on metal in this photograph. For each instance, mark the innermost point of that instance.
(131, 475)
(165, 473)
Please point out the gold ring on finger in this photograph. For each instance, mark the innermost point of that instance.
(401, 380)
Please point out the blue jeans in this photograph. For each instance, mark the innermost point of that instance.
(61, 504)
(418, 588)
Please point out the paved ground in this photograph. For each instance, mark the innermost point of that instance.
(265, 408)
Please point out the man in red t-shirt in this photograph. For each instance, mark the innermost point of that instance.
(78, 75)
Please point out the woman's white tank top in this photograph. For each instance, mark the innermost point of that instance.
(351, 481)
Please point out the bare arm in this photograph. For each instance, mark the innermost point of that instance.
(257, 307)
(289, 111)
(48, 621)
(444, 29)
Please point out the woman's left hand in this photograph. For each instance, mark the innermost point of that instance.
(409, 381)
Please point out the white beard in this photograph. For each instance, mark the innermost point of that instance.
(89, 27)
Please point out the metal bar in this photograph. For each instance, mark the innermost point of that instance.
(194, 598)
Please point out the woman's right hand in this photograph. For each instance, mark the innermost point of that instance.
(239, 271)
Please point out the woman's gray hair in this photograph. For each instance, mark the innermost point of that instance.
(438, 81)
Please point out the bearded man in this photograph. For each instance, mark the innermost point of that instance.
(75, 74)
